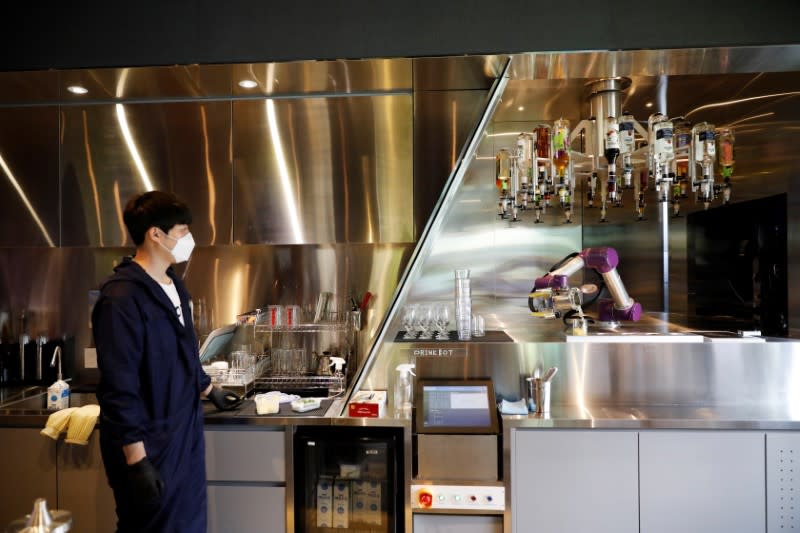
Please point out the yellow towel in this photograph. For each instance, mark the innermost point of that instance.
(57, 423)
(81, 424)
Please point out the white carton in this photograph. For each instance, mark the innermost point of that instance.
(341, 504)
(325, 502)
(358, 493)
(372, 507)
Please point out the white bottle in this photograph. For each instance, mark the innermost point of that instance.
(403, 391)
(338, 376)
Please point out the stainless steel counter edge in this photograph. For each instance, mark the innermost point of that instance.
(37, 418)
(659, 417)
(732, 417)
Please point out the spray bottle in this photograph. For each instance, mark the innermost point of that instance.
(58, 392)
(403, 390)
(338, 376)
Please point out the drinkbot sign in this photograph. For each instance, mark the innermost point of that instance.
(439, 352)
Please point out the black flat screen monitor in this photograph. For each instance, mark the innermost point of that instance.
(445, 406)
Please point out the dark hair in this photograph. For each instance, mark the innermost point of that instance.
(157, 209)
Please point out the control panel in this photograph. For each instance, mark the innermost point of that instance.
(458, 497)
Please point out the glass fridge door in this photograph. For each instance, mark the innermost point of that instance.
(348, 479)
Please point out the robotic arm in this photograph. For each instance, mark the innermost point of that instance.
(551, 296)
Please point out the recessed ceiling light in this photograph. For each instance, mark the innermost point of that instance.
(520, 108)
(77, 89)
(247, 84)
(649, 104)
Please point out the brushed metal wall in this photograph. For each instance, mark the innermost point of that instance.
(29, 203)
(312, 190)
(111, 152)
(595, 377)
(186, 82)
(319, 170)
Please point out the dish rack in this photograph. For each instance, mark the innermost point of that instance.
(317, 340)
(241, 380)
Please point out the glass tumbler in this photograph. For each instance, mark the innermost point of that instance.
(275, 316)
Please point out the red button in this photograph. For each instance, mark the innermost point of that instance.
(425, 498)
(473, 498)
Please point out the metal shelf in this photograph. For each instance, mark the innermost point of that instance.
(304, 328)
(297, 382)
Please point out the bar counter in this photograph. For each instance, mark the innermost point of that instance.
(18, 412)
(660, 417)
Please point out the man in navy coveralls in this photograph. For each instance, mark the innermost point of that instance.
(151, 379)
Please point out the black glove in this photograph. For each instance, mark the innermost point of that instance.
(224, 400)
(145, 482)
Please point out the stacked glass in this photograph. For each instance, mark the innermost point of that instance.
(463, 305)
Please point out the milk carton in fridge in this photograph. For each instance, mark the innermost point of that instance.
(325, 502)
(341, 503)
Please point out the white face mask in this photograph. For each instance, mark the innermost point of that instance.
(183, 247)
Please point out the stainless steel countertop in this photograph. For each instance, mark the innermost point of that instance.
(28, 410)
(659, 417)
(739, 417)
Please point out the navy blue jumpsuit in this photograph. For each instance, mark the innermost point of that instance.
(150, 384)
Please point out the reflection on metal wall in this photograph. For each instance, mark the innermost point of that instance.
(178, 82)
(29, 201)
(442, 121)
(111, 152)
(457, 73)
(51, 286)
(225, 280)
(319, 170)
(308, 77)
(335, 144)
(598, 376)
(577, 65)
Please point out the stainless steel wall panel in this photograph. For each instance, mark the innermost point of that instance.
(111, 152)
(597, 378)
(601, 64)
(232, 279)
(29, 176)
(457, 73)
(52, 287)
(322, 170)
(337, 77)
(442, 121)
(542, 100)
(28, 87)
(190, 81)
(638, 244)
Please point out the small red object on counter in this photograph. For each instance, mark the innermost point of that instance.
(368, 404)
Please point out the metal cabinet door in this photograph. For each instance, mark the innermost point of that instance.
(783, 481)
(83, 487)
(702, 481)
(574, 480)
(28, 471)
(246, 509)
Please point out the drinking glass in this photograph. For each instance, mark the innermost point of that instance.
(299, 364)
(292, 313)
(275, 316)
(478, 326)
(409, 321)
(442, 320)
(424, 321)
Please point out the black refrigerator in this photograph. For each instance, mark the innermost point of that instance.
(348, 479)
